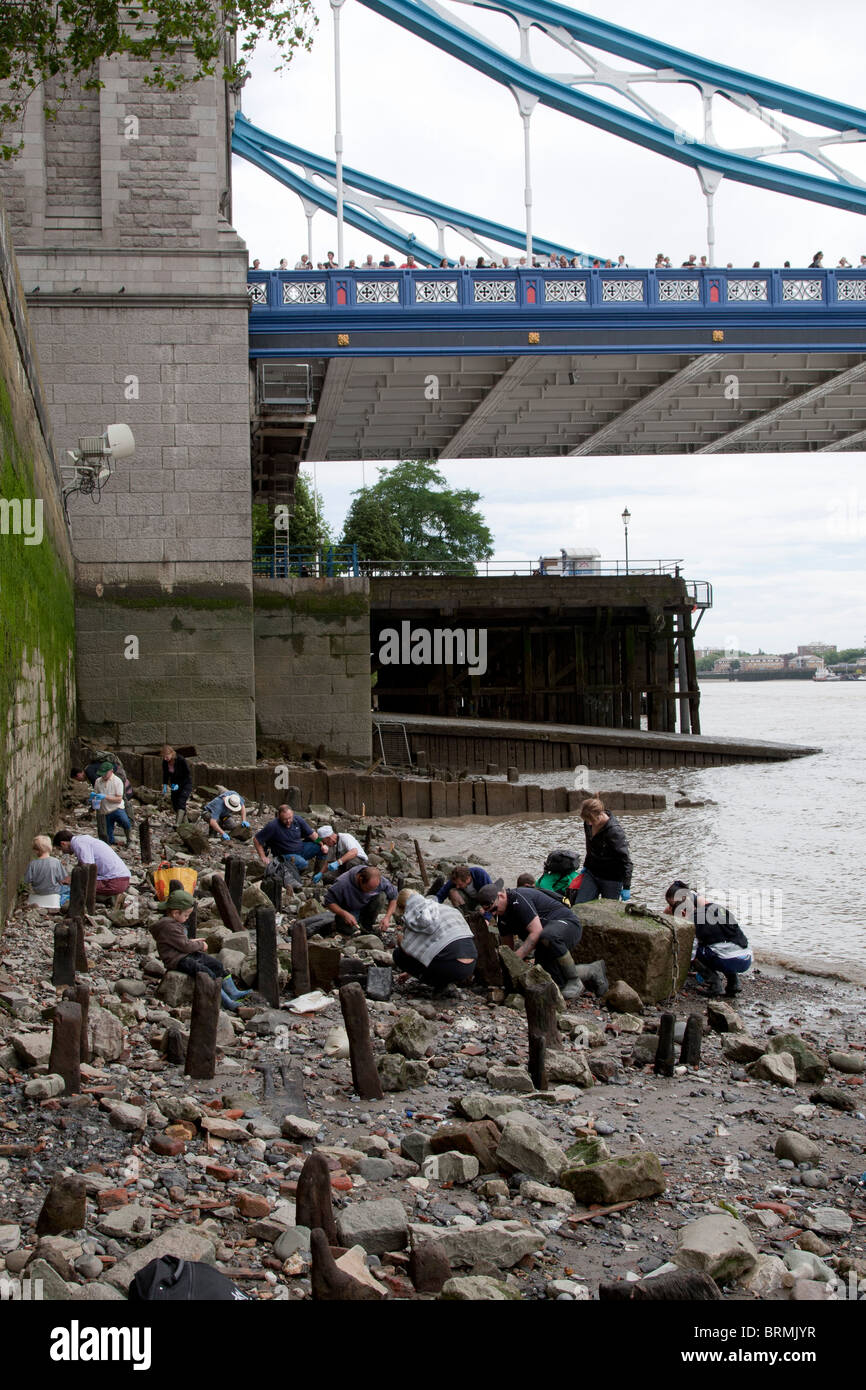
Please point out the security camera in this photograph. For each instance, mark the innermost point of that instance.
(92, 461)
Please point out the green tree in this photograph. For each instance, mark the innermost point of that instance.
(185, 40)
(308, 529)
(373, 528)
(438, 526)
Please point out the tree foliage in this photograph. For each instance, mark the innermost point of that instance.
(184, 40)
(304, 532)
(438, 527)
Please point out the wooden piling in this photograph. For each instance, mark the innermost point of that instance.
(664, 1060)
(300, 960)
(63, 965)
(365, 1077)
(90, 898)
(313, 1205)
(421, 865)
(144, 841)
(79, 994)
(201, 1048)
(690, 1050)
(267, 964)
(65, 1058)
(489, 967)
(235, 873)
(225, 904)
(541, 1013)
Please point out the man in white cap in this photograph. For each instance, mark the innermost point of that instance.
(344, 851)
(223, 812)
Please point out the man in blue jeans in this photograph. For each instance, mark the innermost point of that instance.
(290, 837)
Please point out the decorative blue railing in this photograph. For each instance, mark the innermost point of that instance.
(572, 288)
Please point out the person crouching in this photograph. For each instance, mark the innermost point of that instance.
(721, 946)
(437, 946)
(189, 955)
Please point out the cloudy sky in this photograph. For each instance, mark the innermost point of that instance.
(783, 540)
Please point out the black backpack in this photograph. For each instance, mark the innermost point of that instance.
(561, 861)
(172, 1280)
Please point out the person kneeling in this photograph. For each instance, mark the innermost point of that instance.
(437, 947)
(177, 951)
(544, 925)
(721, 946)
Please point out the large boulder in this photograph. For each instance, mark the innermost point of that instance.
(741, 1048)
(379, 1226)
(797, 1148)
(399, 1074)
(615, 1179)
(107, 1033)
(716, 1245)
(622, 999)
(809, 1065)
(175, 989)
(410, 1035)
(184, 1241)
(499, 1244)
(777, 1067)
(478, 1288)
(480, 1138)
(525, 1148)
(636, 949)
(570, 1068)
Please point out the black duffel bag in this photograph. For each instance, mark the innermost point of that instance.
(173, 1280)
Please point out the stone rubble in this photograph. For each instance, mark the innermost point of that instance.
(464, 1182)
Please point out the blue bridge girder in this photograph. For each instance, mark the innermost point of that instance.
(451, 37)
(266, 151)
(354, 313)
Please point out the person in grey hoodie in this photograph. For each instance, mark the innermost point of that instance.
(437, 947)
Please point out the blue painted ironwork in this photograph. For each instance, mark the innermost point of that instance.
(470, 48)
(265, 151)
(806, 310)
(283, 562)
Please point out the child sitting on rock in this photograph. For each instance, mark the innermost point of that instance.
(45, 877)
(177, 951)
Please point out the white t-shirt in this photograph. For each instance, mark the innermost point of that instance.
(111, 786)
(344, 844)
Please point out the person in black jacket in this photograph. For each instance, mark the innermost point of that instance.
(176, 779)
(545, 926)
(607, 867)
(721, 946)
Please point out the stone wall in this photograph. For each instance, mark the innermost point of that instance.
(312, 660)
(139, 309)
(37, 701)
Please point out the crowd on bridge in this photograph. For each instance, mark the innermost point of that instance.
(539, 262)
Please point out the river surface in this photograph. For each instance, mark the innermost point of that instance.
(785, 845)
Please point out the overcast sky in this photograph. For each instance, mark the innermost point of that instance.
(783, 540)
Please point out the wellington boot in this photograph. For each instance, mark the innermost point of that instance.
(594, 977)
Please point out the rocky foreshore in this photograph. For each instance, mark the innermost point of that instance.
(745, 1171)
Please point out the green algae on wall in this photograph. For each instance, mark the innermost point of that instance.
(37, 632)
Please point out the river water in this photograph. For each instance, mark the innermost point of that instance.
(785, 845)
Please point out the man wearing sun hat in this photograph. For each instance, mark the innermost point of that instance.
(222, 813)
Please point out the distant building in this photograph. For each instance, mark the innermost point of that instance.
(816, 649)
(765, 661)
(723, 665)
(805, 661)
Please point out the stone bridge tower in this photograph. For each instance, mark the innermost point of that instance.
(136, 287)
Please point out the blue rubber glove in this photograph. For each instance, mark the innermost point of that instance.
(625, 895)
(317, 878)
(175, 786)
(245, 825)
(226, 835)
(335, 864)
(165, 788)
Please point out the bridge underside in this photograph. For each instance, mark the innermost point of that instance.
(630, 403)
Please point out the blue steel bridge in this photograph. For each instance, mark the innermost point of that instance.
(449, 362)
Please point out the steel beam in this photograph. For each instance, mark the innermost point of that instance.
(801, 402)
(513, 376)
(699, 366)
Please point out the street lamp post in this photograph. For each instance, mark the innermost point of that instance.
(338, 127)
(626, 518)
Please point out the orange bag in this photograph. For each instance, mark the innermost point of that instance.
(163, 875)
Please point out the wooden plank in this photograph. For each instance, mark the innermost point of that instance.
(452, 799)
(479, 790)
(437, 800)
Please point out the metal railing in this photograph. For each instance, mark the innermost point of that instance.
(574, 288)
(501, 568)
(284, 562)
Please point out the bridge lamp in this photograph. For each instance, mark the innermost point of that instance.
(626, 518)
